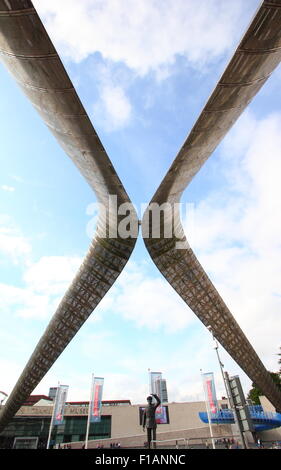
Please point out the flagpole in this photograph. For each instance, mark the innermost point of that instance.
(208, 413)
(89, 414)
(52, 419)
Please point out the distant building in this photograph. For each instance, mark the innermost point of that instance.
(164, 391)
(52, 392)
(38, 400)
(160, 386)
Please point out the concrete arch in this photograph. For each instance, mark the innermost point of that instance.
(257, 55)
(28, 53)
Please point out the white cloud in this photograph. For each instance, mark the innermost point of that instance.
(12, 243)
(45, 283)
(7, 188)
(125, 387)
(113, 109)
(148, 301)
(52, 274)
(94, 343)
(10, 370)
(145, 35)
(140, 37)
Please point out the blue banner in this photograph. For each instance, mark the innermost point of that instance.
(60, 400)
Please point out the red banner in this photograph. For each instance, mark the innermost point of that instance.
(210, 391)
(96, 401)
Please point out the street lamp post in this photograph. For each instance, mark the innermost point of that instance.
(216, 347)
(226, 385)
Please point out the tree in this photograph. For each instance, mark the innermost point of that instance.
(255, 392)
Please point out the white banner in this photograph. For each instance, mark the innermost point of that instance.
(210, 391)
(96, 399)
(60, 400)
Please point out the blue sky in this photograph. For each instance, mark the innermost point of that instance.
(143, 70)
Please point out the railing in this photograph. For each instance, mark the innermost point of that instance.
(199, 440)
(169, 440)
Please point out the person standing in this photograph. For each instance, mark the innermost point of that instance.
(149, 421)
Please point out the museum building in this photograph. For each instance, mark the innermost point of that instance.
(121, 423)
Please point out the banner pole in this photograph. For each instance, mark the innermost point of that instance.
(52, 419)
(208, 412)
(89, 414)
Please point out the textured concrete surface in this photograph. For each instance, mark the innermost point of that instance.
(256, 57)
(28, 53)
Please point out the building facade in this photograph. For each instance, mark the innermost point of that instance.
(120, 423)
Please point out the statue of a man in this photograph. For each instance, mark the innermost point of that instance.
(149, 420)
